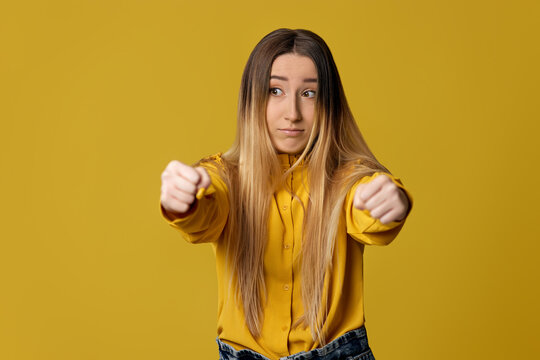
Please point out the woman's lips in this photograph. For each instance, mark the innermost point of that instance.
(291, 132)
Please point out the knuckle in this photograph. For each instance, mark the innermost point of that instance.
(190, 173)
(172, 164)
(190, 188)
(390, 184)
(164, 190)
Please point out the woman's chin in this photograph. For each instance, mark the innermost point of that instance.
(290, 150)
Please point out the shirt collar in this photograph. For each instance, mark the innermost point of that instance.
(287, 160)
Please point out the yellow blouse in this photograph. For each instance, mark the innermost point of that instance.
(204, 224)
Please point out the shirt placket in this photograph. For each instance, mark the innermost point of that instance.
(285, 206)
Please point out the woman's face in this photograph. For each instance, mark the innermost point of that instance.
(291, 102)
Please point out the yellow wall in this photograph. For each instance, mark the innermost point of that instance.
(96, 97)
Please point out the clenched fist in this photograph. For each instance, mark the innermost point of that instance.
(179, 186)
(384, 199)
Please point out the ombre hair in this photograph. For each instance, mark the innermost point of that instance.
(336, 156)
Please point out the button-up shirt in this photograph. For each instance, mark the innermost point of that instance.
(343, 286)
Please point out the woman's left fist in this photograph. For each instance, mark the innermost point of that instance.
(384, 199)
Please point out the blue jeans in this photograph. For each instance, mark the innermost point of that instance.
(352, 345)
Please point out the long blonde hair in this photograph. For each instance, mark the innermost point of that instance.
(336, 156)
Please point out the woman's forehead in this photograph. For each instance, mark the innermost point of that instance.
(288, 65)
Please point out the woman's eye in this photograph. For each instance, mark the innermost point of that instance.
(276, 91)
(309, 93)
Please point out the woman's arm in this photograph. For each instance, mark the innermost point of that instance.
(376, 208)
(198, 218)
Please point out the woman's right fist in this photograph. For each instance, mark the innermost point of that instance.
(179, 185)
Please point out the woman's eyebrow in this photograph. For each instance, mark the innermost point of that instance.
(277, 77)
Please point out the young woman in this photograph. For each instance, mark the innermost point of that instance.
(288, 209)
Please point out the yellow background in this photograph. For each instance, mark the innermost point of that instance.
(98, 96)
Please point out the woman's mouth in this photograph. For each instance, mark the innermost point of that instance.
(291, 132)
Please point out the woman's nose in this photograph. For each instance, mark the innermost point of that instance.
(293, 112)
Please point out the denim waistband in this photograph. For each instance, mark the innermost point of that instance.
(352, 343)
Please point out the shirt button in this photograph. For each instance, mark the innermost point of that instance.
(286, 246)
(284, 207)
(284, 328)
(286, 287)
